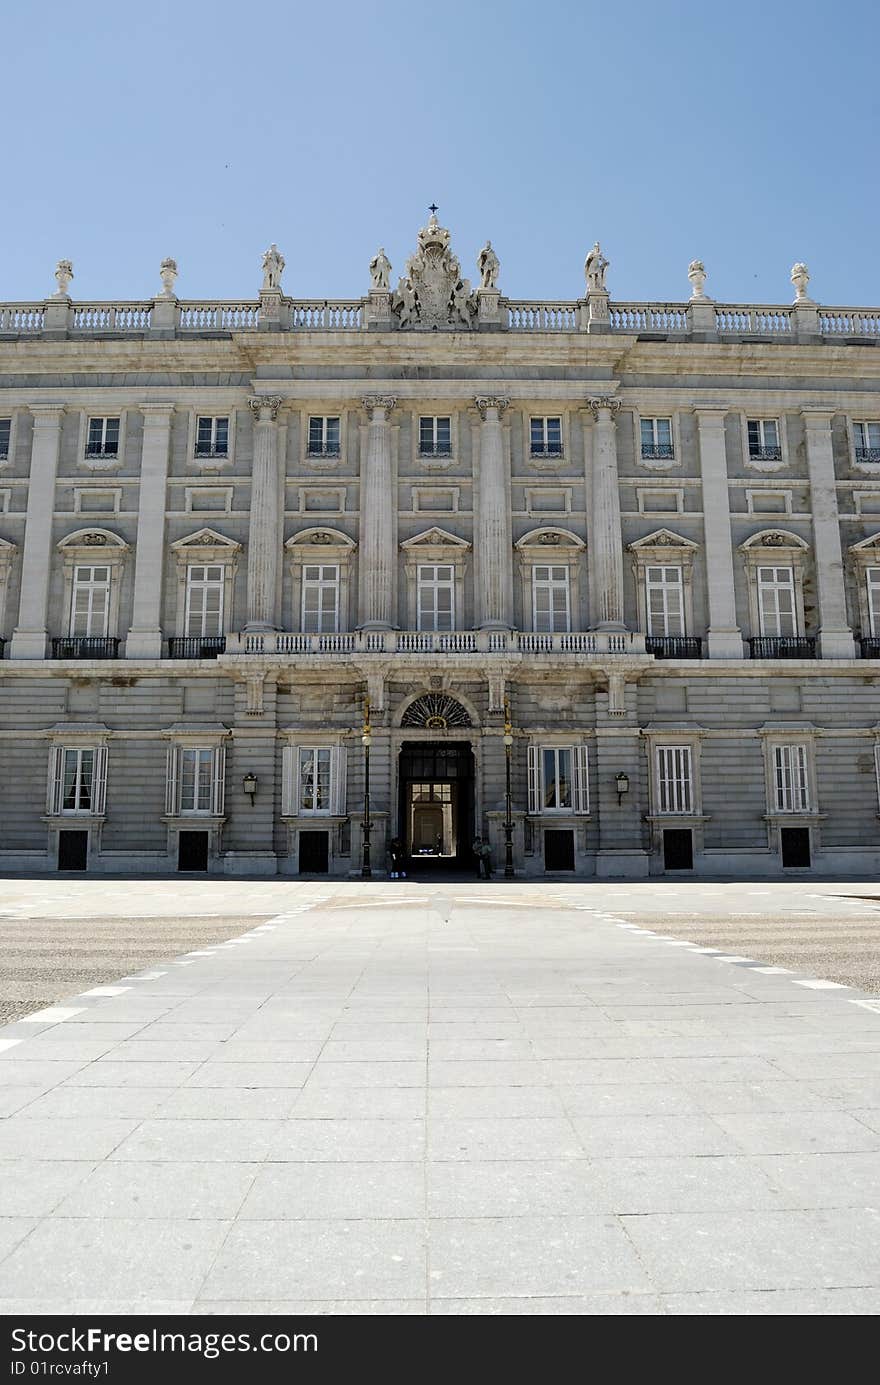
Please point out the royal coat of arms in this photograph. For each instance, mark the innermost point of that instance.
(433, 293)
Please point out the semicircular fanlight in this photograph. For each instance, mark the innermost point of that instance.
(436, 712)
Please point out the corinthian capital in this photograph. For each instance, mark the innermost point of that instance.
(603, 401)
(484, 402)
(372, 402)
(263, 404)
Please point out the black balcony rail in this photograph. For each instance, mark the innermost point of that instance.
(868, 454)
(2, 647)
(782, 647)
(870, 646)
(97, 449)
(332, 450)
(196, 646)
(435, 449)
(85, 647)
(546, 449)
(765, 454)
(657, 452)
(204, 449)
(674, 646)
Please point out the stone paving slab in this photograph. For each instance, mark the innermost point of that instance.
(442, 1105)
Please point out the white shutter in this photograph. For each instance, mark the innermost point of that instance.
(218, 788)
(99, 792)
(535, 795)
(338, 765)
(171, 772)
(55, 788)
(581, 762)
(802, 784)
(288, 770)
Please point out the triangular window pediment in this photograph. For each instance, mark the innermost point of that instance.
(870, 545)
(206, 538)
(435, 538)
(664, 538)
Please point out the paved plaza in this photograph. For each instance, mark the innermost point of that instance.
(441, 1098)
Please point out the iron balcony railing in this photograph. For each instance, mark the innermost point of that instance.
(96, 449)
(674, 646)
(765, 454)
(196, 646)
(868, 454)
(440, 449)
(658, 452)
(206, 450)
(782, 647)
(85, 647)
(870, 646)
(548, 449)
(2, 647)
(332, 450)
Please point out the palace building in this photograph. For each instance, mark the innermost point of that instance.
(599, 578)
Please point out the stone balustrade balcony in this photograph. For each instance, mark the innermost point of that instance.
(355, 642)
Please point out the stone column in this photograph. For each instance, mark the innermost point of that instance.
(725, 637)
(835, 636)
(264, 531)
(493, 540)
(145, 636)
(606, 541)
(29, 636)
(378, 561)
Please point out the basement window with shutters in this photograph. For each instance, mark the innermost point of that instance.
(791, 779)
(77, 780)
(558, 779)
(674, 779)
(313, 781)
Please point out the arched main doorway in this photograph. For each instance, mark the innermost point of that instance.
(436, 784)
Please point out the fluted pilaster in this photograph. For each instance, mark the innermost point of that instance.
(724, 637)
(493, 536)
(29, 637)
(378, 566)
(835, 636)
(264, 532)
(606, 541)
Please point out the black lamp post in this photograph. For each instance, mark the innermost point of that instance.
(508, 821)
(366, 740)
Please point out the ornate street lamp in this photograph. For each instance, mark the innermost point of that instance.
(366, 741)
(508, 821)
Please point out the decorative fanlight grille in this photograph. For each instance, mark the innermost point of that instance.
(436, 712)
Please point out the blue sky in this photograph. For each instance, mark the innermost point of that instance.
(744, 134)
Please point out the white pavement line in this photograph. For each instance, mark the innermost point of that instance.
(709, 951)
(146, 976)
(55, 1014)
(107, 990)
(202, 952)
(774, 971)
(723, 957)
(8, 1043)
(872, 1005)
(823, 985)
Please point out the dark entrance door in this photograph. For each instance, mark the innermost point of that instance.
(436, 803)
(192, 851)
(73, 850)
(795, 842)
(314, 853)
(678, 849)
(558, 850)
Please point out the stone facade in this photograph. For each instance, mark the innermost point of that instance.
(649, 534)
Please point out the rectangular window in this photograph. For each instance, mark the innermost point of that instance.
(763, 434)
(77, 780)
(313, 781)
(102, 439)
(656, 437)
(5, 434)
(212, 437)
(90, 601)
(872, 577)
(777, 610)
(323, 436)
(674, 785)
(320, 598)
(546, 437)
(866, 437)
(558, 779)
(551, 605)
(196, 778)
(204, 600)
(791, 786)
(664, 600)
(436, 596)
(435, 436)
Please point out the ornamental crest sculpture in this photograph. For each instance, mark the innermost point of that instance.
(432, 293)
